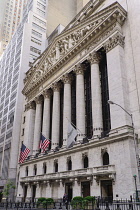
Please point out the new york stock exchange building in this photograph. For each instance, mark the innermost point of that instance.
(89, 64)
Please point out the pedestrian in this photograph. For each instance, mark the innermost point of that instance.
(65, 198)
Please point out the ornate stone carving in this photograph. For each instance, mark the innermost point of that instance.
(47, 93)
(66, 45)
(103, 150)
(94, 57)
(77, 180)
(80, 68)
(96, 178)
(56, 86)
(68, 158)
(67, 78)
(115, 40)
(38, 100)
(85, 154)
(30, 105)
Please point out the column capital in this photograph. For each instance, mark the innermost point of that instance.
(117, 39)
(38, 100)
(30, 105)
(47, 93)
(80, 68)
(56, 86)
(94, 58)
(67, 78)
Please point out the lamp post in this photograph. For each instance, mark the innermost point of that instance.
(113, 103)
(135, 177)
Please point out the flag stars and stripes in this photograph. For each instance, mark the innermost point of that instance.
(44, 143)
(23, 153)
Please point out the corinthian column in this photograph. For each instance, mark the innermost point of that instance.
(80, 99)
(37, 130)
(118, 87)
(46, 114)
(29, 125)
(94, 59)
(67, 106)
(55, 115)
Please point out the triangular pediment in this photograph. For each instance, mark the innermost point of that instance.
(66, 43)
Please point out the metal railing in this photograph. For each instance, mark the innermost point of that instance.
(99, 204)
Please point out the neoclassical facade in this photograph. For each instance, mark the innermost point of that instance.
(72, 81)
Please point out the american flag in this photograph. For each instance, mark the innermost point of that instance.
(23, 153)
(44, 143)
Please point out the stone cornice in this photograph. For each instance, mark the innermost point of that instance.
(90, 7)
(69, 46)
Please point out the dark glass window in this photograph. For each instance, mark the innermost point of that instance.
(61, 117)
(105, 158)
(35, 169)
(69, 165)
(104, 93)
(86, 162)
(73, 100)
(44, 168)
(56, 167)
(88, 102)
(51, 107)
(26, 171)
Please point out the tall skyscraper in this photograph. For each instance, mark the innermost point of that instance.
(11, 15)
(27, 43)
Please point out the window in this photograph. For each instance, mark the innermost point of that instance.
(85, 160)
(38, 27)
(56, 166)
(24, 119)
(39, 21)
(69, 165)
(35, 50)
(44, 168)
(26, 171)
(36, 33)
(106, 158)
(40, 12)
(35, 170)
(23, 132)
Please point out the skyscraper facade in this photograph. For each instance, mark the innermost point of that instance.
(11, 15)
(27, 43)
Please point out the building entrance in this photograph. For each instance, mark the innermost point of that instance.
(68, 190)
(106, 189)
(25, 193)
(33, 193)
(85, 189)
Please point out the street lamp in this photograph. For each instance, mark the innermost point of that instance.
(113, 103)
(135, 177)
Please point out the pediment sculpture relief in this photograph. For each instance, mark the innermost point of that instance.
(69, 40)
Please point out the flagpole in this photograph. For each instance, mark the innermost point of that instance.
(75, 127)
